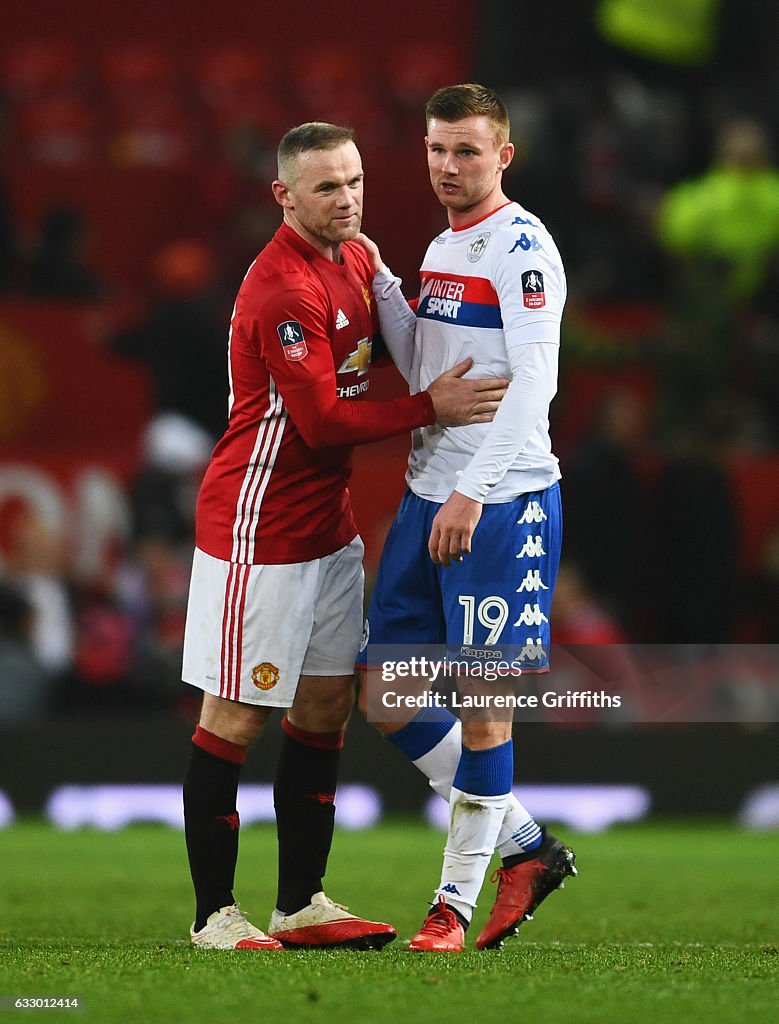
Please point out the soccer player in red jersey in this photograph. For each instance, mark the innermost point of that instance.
(275, 603)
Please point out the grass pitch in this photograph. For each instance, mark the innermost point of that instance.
(664, 923)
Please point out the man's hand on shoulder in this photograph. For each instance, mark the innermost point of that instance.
(452, 529)
(459, 402)
(372, 250)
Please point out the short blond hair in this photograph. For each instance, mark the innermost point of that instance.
(305, 137)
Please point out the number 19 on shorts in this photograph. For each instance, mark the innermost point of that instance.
(492, 612)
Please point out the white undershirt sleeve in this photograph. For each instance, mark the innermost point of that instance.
(397, 319)
(534, 384)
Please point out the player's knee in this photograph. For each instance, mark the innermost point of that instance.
(232, 721)
(322, 704)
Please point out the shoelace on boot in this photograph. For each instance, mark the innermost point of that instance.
(440, 921)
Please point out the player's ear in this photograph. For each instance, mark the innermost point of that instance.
(505, 155)
(282, 194)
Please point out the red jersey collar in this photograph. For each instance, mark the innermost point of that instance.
(486, 215)
(299, 244)
(306, 249)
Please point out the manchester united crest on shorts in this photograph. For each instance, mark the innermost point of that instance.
(292, 339)
(533, 289)
(265, 676)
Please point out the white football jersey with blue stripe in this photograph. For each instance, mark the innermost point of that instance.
(487, 290)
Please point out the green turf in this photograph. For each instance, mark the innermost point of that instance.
(663, 924)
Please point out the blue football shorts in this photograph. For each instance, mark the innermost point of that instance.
(499, 595)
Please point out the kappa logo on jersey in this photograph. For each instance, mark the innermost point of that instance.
(265, 676)
(440, 239)
(532, 581)
(477, 247)
(532, 514)
(526, 244)
(341, 320)
(292, 339)
(524, 221)
(531, 616)
(533, 548)
(451, 888)
(359, 360)
(533, 289)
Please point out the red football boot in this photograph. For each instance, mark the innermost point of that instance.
(523, 887)
(441, 932)
(324, 924)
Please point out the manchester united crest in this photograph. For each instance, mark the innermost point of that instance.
(265, 676)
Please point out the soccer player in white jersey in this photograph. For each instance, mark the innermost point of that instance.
(471, 559)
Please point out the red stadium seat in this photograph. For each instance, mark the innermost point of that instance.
(323, 74)
(415, 70)
(58, 131)
(227, 74)
(156, 130)
(150, 122)
(137, 69)
(238, 88)
(39, 69)
(332, 84)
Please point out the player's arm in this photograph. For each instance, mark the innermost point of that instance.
(534, 368)
(397, 318)
(305, 376)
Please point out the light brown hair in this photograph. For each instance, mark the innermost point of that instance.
(456, 102)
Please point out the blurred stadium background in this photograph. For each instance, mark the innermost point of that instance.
(136, 147)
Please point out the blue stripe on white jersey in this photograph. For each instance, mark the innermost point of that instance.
(464, 314)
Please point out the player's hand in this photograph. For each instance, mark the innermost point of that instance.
(372, 250)
(452, 529)
(461, 402)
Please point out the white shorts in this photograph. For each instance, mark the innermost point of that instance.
(253, 630)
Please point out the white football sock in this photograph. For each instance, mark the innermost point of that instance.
(474, 823)
(517, 833)
(440, 763)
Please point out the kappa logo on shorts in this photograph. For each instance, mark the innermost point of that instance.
(265, 676)
(292, 339)
(533, 289)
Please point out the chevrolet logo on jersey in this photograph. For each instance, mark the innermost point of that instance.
(359, 360)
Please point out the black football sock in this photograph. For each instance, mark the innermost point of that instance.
(304, 794)
(211, 820)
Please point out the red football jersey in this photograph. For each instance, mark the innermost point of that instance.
(300, 363)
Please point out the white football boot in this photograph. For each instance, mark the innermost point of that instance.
(228, 929)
